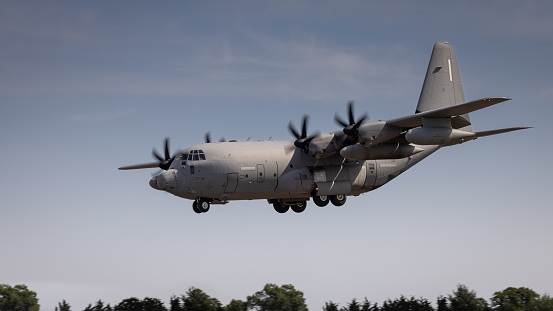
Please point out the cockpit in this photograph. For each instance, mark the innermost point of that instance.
(193, 155)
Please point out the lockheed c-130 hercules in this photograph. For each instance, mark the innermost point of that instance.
(361, 157)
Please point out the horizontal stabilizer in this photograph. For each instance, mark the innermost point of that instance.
(452, 111)
(500, 131)
(139, 166)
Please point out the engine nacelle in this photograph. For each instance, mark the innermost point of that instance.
(436, 136)
(380, 152)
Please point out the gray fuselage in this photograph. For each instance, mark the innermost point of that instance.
(225, 171)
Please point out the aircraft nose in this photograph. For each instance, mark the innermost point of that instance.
(165, 181)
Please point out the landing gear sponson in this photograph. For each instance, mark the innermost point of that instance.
(299, 206)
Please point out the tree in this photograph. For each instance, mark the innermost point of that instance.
(330, 306)
(63, 306)
(135, 304)
(236, 305)
(175, 304)
(17, 298)
(99, 306)
(196, 300)
(404, 304)
(514, 299)
(353, 306)
(543, 303)
(442, 304)
(277, 298)
(463, 299)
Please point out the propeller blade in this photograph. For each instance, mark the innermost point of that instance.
(156, 155)
(207, 137)
(304, 126)
(293, 130)
(339, 121)
(166, 143)
(350, 112)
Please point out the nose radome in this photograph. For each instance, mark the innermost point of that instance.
(165, 181)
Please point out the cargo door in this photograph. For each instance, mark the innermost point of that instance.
(371, 174)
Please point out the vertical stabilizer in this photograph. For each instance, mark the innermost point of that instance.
(442, 85)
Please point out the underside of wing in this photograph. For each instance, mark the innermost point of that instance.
(452, 111)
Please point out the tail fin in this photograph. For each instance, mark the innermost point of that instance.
(442, 85)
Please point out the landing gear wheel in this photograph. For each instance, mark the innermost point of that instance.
(203, 205)
(195, 207)
(321, 200)
(338, 200)
(280, 207)
(299, 206)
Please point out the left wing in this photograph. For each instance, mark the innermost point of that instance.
(415, 120)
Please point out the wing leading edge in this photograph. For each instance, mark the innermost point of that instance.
(415, 120)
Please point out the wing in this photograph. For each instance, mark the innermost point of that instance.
(415, 120)
(139, 166)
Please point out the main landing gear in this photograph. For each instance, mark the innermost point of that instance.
(299, 206)
(337, 200)
(201, 205)
(283, 207)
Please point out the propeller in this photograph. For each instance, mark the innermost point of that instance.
(351, 128)
(302, 140)
(208, 138)
(164, 163)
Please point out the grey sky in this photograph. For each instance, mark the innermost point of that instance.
(86, 87)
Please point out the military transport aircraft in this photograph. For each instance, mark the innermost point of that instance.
(362, 156)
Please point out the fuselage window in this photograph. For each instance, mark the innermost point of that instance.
(192, 169)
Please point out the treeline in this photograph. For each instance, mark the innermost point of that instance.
(286, 298)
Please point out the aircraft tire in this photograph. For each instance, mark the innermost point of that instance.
(195, 207)
(299, 206)
(321, 201)
(280, 207)
(338, 200)
(203, 205)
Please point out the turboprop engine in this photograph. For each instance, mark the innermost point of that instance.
(437, 136)
(379, 152)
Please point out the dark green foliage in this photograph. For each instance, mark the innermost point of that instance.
(464, 299)
(353, 305)
(404, 304)
(277, 298)
(99, 306)
(63, 306)
(17, 298)
(196, 300)
(330, 306)
(543, 303)
(135, 304)
(514, 299)
(287, 298)
(175, 304)
(236, 305)
(442, 304)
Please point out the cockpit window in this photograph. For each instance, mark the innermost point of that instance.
(196, 155)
